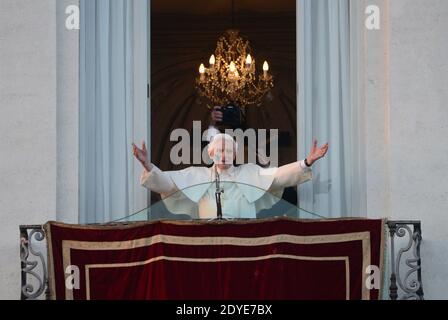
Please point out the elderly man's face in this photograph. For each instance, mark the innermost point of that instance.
(224, 154)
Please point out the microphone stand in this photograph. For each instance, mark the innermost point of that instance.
(218, 192)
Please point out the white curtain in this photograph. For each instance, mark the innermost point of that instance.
(113, 107)
(331, 104)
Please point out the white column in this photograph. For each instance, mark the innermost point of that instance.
(67, 116)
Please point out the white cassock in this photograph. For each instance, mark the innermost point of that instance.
(248, 188)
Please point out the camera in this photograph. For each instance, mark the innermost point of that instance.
(232, 116)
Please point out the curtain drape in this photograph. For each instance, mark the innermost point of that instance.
(331, 105)
(113, 107)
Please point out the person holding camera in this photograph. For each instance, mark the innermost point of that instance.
(225, 117)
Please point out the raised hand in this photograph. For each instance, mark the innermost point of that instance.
(316, 153)
(141, 155)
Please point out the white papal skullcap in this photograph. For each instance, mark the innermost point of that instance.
(217, 142)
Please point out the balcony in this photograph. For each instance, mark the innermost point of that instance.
(402, 276)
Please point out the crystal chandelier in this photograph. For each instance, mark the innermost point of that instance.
(231, 77)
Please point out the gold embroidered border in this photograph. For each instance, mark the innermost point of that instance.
(67, 245)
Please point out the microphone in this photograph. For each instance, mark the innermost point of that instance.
(218, 192)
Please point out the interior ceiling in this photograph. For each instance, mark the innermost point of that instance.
(206, 7)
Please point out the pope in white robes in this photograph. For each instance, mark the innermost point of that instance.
(248, 188)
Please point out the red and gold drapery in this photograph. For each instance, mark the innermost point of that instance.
(183, 260)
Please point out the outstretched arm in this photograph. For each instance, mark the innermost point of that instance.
(291, 175)
(152, 177)
(297, 173)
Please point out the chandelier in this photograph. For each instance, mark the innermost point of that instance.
(231, 77)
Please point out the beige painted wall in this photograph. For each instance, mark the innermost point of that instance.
(38, 124)
(407, 126)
